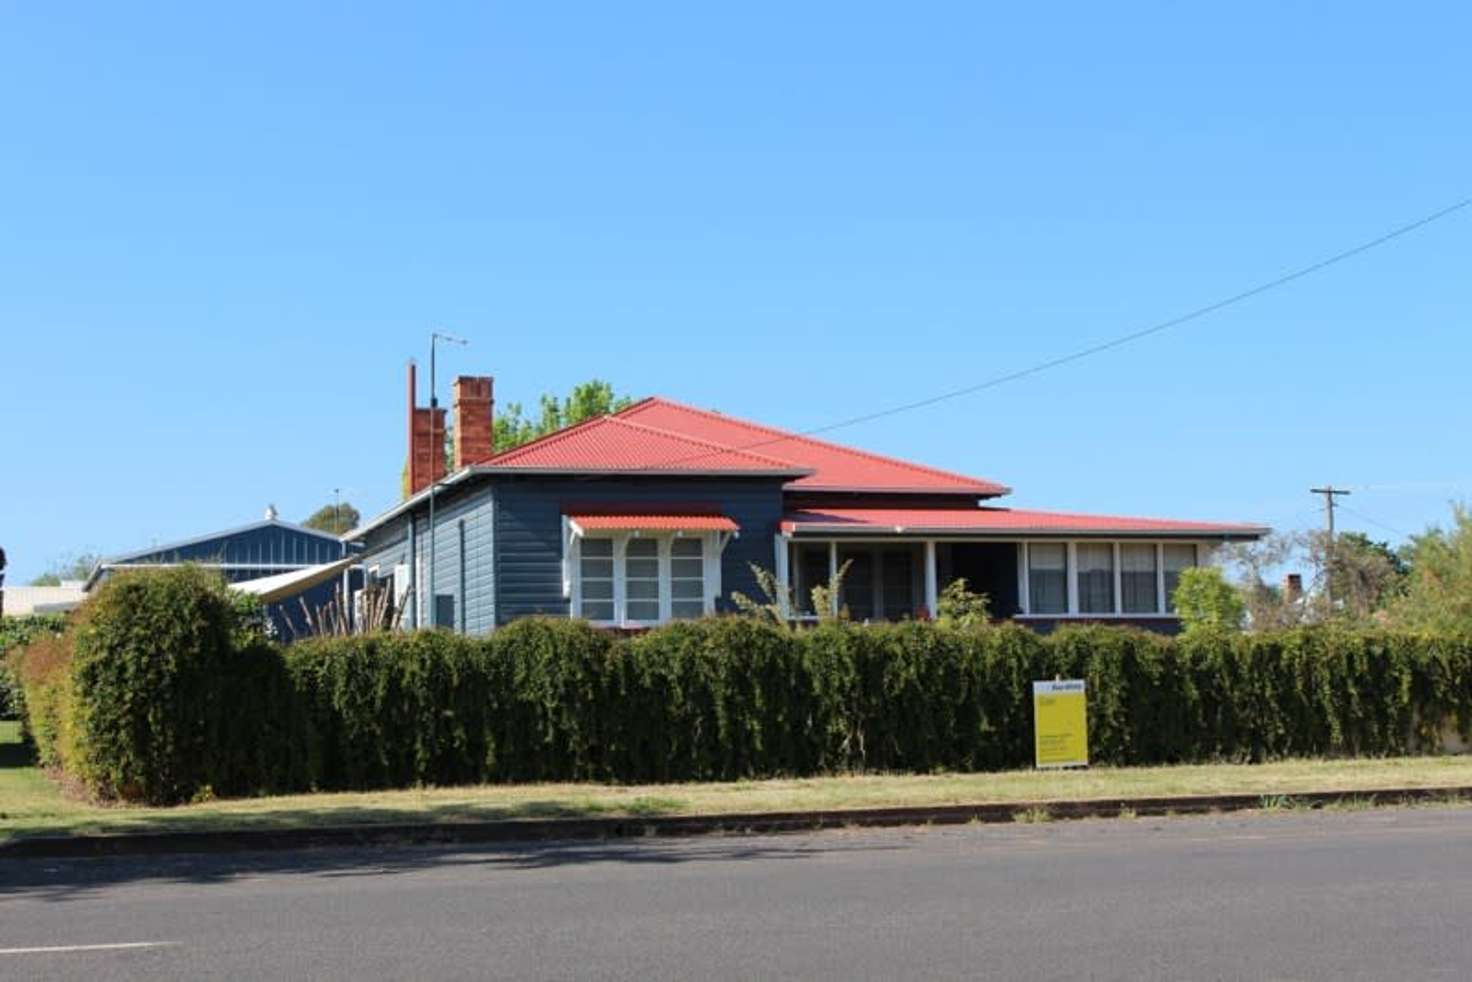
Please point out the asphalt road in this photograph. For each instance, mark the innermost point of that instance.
(1375, 895)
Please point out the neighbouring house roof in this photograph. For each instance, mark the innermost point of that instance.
(145, 556)
(668, 519)
(832, 467)
(613, 444)
(1001, 521)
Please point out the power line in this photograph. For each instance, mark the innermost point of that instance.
(1378, 524)
(1099, 348)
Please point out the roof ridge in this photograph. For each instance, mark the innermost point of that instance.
(546, 438)
(790, 435)
(699, 441)
(509, 457)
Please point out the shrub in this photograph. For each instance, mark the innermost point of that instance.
(390, 710)
(1206, 601)
(43, 669)
(171, 698)
(15, 634)
(158, 693)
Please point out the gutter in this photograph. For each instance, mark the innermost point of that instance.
(939, 532)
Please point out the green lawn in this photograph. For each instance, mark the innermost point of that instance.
(30, 804)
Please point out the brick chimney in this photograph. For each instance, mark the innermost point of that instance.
(426, 440)
(474, 419)
(1293, 587)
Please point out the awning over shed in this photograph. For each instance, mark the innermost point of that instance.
(283, 585)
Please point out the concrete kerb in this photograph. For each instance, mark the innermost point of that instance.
(547, 830)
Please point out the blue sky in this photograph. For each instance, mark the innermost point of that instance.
(222, 235)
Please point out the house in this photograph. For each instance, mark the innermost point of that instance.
(22, 601)
(287, 565)
(661, 510)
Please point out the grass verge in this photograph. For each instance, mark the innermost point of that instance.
(30, 804)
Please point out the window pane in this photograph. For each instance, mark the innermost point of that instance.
(642, 547)
(811, 567)
(643, 610)
(1177, 557)
(686, 548)
(600, 610)
(1047, 577)
(685, 569)
(1137, 578)
(597, 589)
(687, 608)
(898, 572)
(642, 569)
(1095, 578)
(643, 589)
(687, 589)
(858, 584)
(597, 567)
(598, 547)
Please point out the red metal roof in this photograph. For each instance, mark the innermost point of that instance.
(999, 520)
(668, 520)
(834, 467)
(610, 443)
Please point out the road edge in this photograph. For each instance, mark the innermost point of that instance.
(546, 830)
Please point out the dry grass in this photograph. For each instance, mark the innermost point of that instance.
(30, 804)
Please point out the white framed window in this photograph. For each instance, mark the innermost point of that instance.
(1175, 557)
(687, 578)
(595, 575)
(1095, 577)
(1137, 579)
(1090, 578)
(1047, 577)
(642, 579)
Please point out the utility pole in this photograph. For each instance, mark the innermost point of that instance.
(337, 510)
(1329, 492)
(437, 451)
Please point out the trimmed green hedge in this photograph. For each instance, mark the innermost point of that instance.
(164, 698)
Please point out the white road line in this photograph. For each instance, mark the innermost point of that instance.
(61, 949)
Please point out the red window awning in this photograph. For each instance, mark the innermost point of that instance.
(670, 520)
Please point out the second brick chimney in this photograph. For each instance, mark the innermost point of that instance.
(426, 441)
(474, 419)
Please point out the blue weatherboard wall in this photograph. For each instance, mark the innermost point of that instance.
(528, 530)
(464, 567)
(498, 547)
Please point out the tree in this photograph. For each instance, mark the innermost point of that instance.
(1438, 587)
(335, 518)
(588, 400)
(77, 566)
(1206, 601)
(1365, 574)
(1265, 605)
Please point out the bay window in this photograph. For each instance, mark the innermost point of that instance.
(639, 580)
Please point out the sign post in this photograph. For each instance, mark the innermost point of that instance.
(1060, 723)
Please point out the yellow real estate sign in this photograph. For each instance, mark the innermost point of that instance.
(1060, 723)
